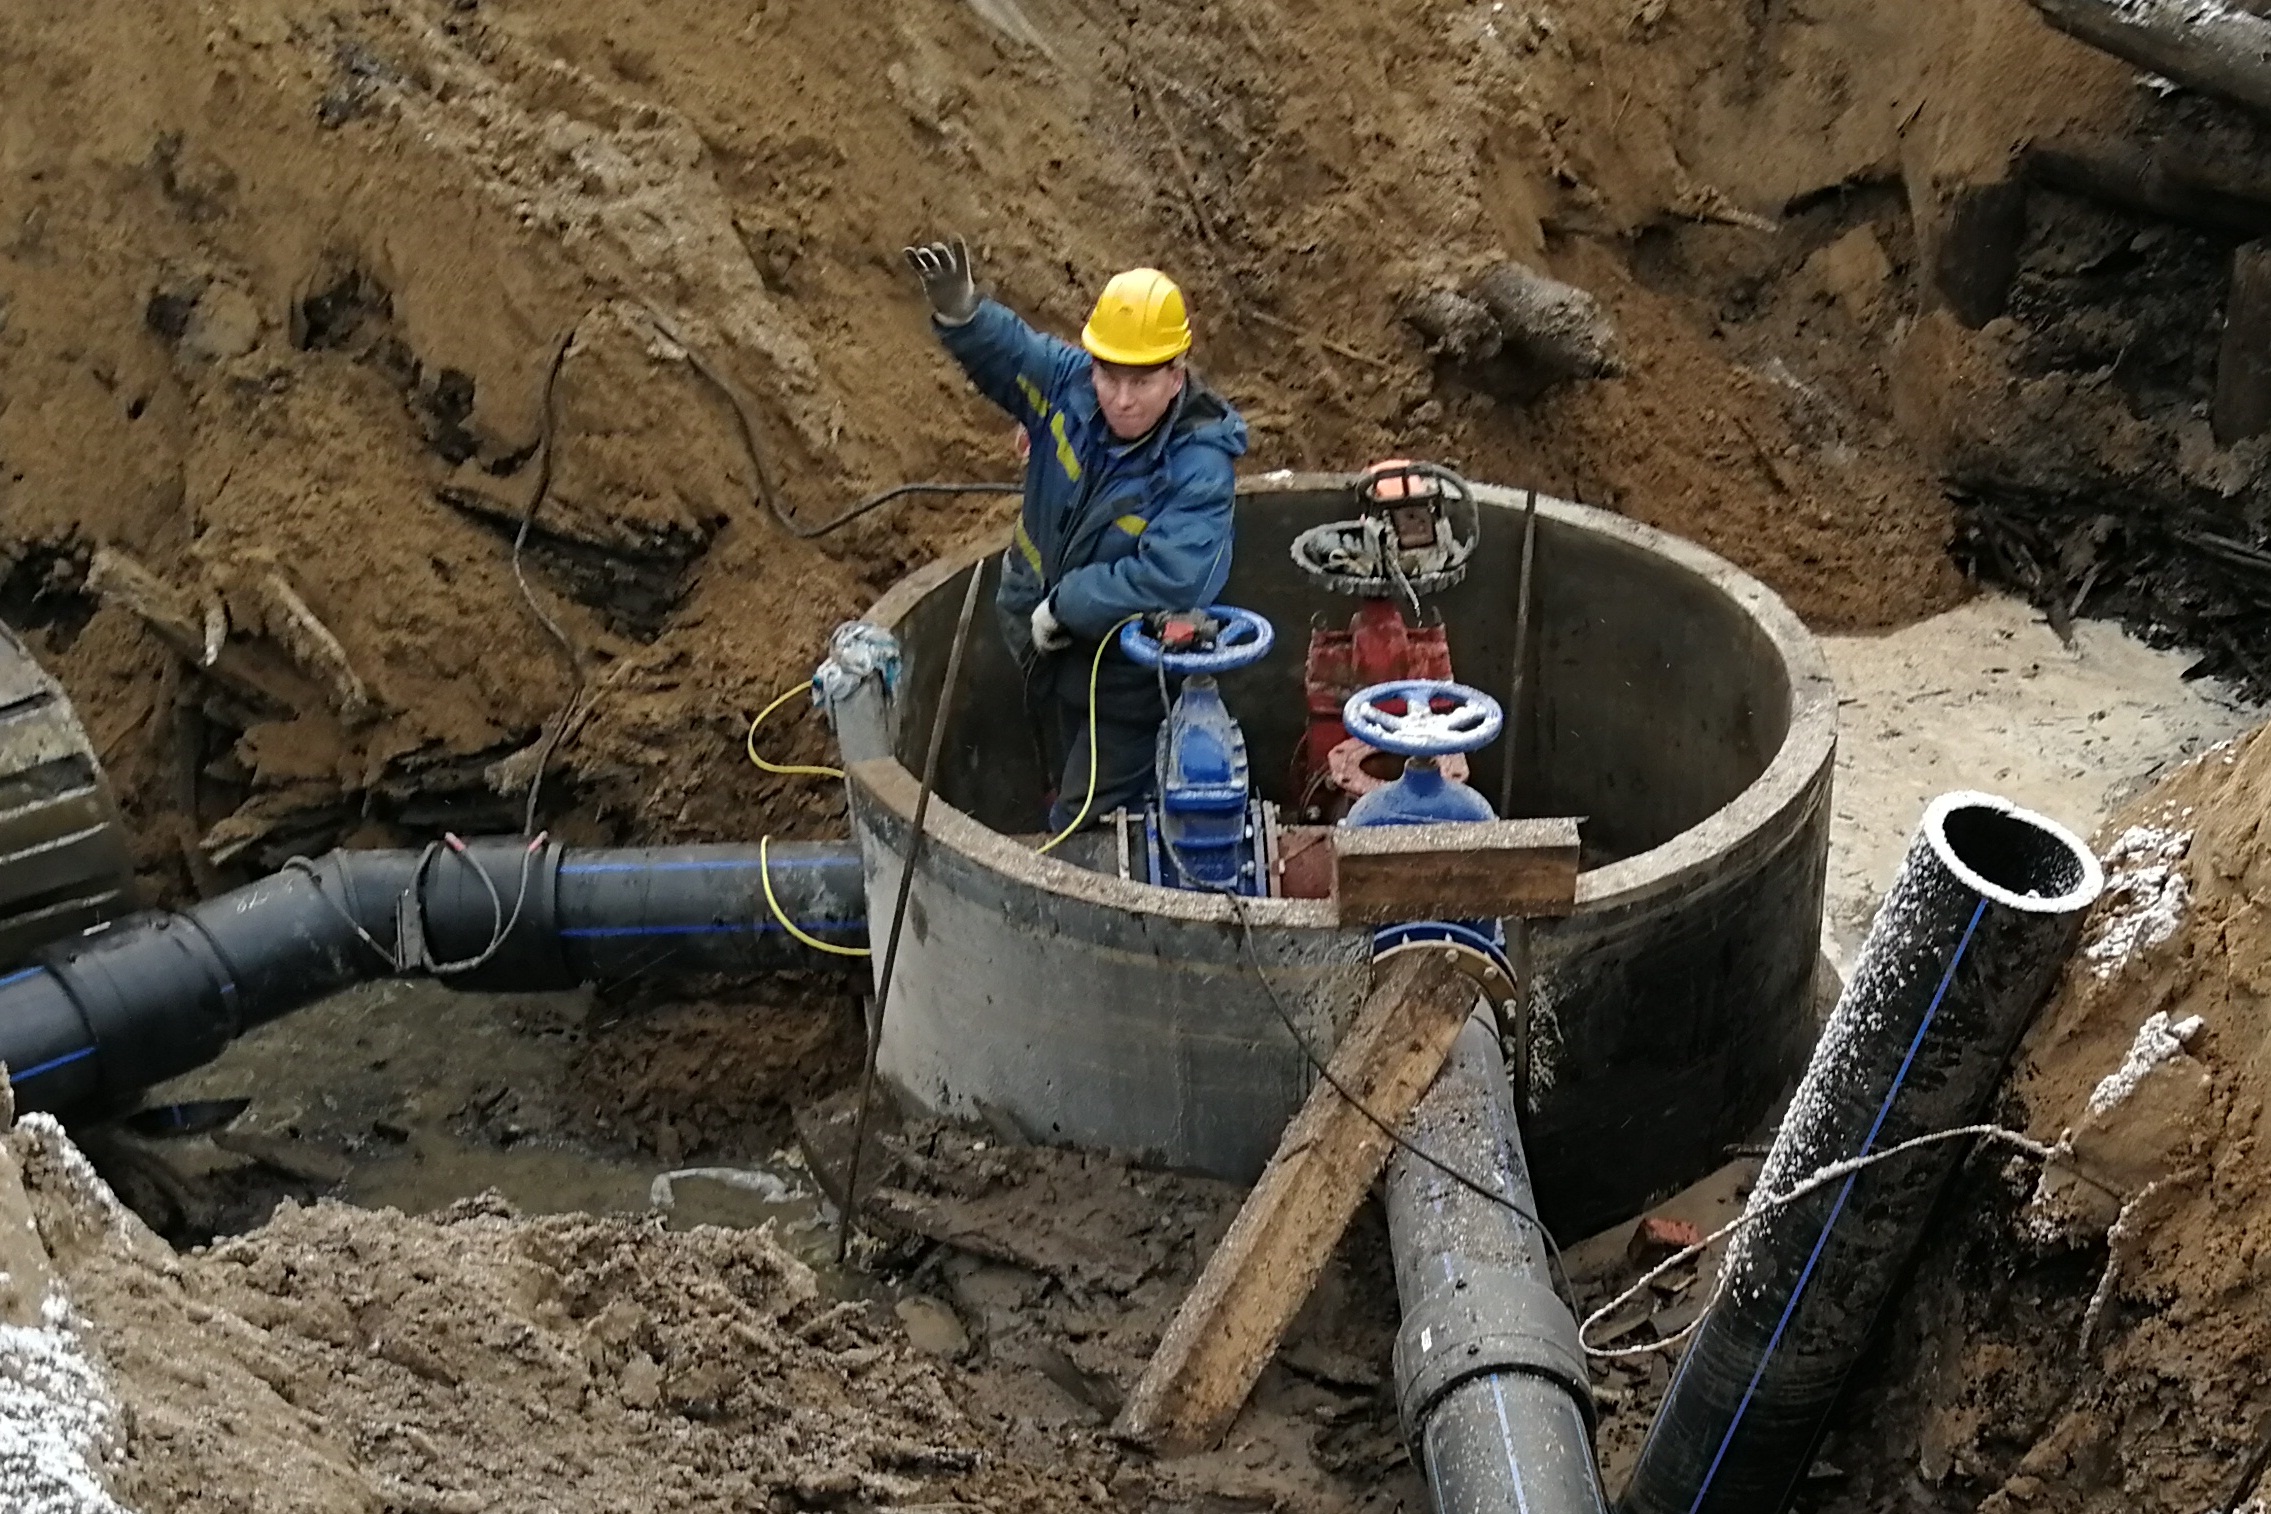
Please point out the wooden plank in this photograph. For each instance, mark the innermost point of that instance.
(1263, 1271)
(2242, 406)
(1485, 870)
(115, 578)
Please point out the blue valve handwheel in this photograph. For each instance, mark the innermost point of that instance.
(1468, 718)
(1245, 638)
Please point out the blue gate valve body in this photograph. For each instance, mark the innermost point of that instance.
(1422, 720)
(1203, 828)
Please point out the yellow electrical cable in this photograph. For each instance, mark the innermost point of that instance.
(786, 769)
(1095, 668)
(765, 872)
(765, 843)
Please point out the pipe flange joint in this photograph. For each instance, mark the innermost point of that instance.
(1472, 955)
(1485, 1320)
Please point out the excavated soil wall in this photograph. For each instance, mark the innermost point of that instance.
(300, 308)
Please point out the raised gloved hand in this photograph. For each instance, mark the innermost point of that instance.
(944, 268)
(1049, 634)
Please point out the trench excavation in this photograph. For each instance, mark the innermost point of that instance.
(1480, 1075)
(1172, 983)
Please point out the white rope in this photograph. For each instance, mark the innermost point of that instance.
(1759, 1208)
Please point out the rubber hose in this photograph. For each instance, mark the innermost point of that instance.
(1964, 950)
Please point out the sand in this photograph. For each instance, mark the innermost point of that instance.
(1985, 696)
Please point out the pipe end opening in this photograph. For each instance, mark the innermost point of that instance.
(2013, 856)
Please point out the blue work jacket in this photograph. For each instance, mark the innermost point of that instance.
(1109, 528)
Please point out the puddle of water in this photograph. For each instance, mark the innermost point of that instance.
(434, 1096)
(436, 1168)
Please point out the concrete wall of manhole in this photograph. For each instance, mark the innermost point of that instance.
(1680, 708)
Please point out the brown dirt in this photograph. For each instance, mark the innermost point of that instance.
(1999, 1391)
(277, 281)
(700, 1078)
(342, 1359)
(280, 287)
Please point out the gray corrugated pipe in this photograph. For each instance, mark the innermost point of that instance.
(1963, 951)
(100, 1017)
(1489, 1374)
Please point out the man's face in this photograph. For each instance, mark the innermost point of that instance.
(1133, 399)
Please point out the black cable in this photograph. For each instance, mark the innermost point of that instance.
(762, 487)
(766, 491)
(547, 439)
(1309, 1053)
(1318, 1064)
(874, 501)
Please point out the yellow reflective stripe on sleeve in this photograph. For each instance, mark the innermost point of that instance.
(1033, 396)
(1026, 549)
(1132, 524)
(1065, 456)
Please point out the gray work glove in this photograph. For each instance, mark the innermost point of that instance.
(944, 268)
(1049, 634)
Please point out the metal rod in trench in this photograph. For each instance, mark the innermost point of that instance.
(1517, 684)
(899, 909)
(1517, 688)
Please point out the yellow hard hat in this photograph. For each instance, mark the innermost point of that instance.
(1139, 320)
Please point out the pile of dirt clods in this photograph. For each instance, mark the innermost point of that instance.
(341, 1359)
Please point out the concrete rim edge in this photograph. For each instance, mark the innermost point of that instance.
(1808, 746)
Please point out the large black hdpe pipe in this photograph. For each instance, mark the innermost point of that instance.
(96, 1019)
(1489, 1375)
(1964, 949)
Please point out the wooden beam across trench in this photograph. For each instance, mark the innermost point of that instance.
(1491, 870)
(1277, 1247)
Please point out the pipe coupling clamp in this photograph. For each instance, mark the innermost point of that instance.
(1485, 1320)
(157, 997)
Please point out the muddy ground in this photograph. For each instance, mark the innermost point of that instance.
(309, 311)
(348, 1359)
(1988, 696)
(412, 1097)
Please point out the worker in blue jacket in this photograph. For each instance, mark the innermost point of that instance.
(1128, 488)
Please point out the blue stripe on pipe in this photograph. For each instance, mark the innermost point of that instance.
(18, 977)
(1506, 1433)
(1838, 1208)
(596, 932)
(779, 864)
(51, 1065)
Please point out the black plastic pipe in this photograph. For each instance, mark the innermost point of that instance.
(1964, 949)
(98, 1018)
(1489, 1375)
